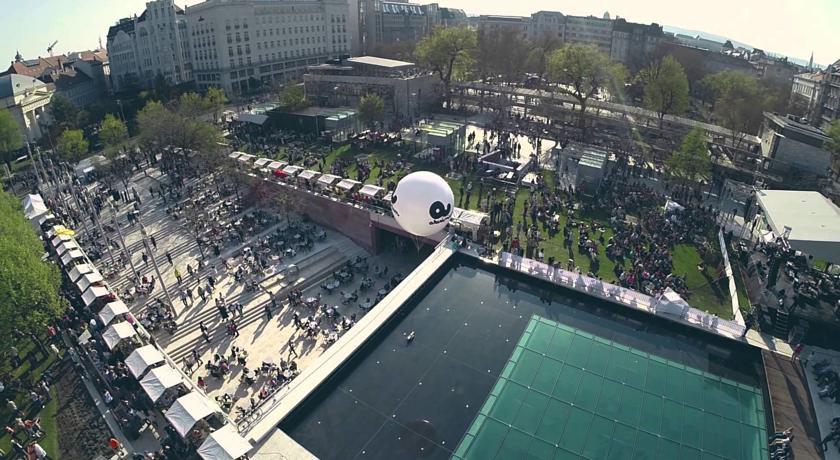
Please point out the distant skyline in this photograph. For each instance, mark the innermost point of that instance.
(780, 26)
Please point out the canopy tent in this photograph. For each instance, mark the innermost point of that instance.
(261, 162)
(371, 190)
(71, 255)
(235, 155)
(76, 272)
(140, 359)
(43, 218)
(89, 279)
(59, 230)
(292, 170)
(812, 219)
(66, 246)
(224, 444)
(254, 118)
(327, 179)
(348, 184)
(275, 165)
(308, 174)
(160, 379)
(33, 206)
(57, 240)
(94, 292)
(471, 220)
(246, 158)
(189, 409)
(116, 333)
(673, 206)
(671, 302)
(111, 311)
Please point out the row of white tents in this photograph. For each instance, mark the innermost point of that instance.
(147, 363)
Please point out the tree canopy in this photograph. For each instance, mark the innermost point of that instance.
(11, 139)
(448, 53)
(113, 133)
(215, 100)
(29, 287)
(691, 162)
(161, 127)
(582, 71)
(371, 109)
(293, 97)
(65, 115)
(665, 87)
(72, 145)
(739, 101)
(500, 53)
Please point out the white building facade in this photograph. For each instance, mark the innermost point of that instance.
(248, 45)
(27, 99)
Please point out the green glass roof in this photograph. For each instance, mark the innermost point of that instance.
(566, 393)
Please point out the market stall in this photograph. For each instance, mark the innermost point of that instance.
(188, 410)
(162, 381)
(224, 444)
(142, 358)
(89, 279)
(116, 333)
(112, 310)
(348, 185)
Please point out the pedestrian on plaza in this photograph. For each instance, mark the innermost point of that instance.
(196, 357)
(797, 350)
(223, 313)
(178, 276)
(267, 310)
(184, 298)
(291, 345)
(201, 293)
(296, 320)
(190, 271)
(169, 257)
(154, 243)
(145, 260)
(240, 308)
(234, 329)
(189, 294)
(204, 332)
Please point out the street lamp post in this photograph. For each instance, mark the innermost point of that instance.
(78, 204)
(105, 237)
(144, 237)
(134, 271)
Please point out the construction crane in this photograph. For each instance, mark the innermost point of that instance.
(50, 48)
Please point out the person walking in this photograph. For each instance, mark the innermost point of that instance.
(201, 293)
(797, 350)
(204, 331)
(145, 260)
(267, 310)
(196, 357)
(178, 275)
(154, 242)
(169, 257)
(291, 345)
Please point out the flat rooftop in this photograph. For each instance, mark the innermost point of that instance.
(813, 219)
(380, 62)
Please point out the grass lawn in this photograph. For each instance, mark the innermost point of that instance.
(706, 292)
(741, 288)
(48, 422)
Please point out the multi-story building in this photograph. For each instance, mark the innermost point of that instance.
(152, 45)
(451, 17)
(243, 45)
(27, 99)
(632, 43)
(394, 22)
(808, 88)
(546, 24)
(793, 145)
(698, 41)
(589, 30)
(518, 24)
(80, 77)
(830, 94)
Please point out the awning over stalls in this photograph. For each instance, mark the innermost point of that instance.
(76, 272)
(224, 444)
(261, 162)
(160, 379)
(467, 218)
(33, 206)
(235, 155)
(246, 158)
(348, 184)
(40, 220)
(57, 240)
(88, 279)
(275, 165)
(327, 179)
(140, 359)
(71, 255)
(371, 190)
(292, 170)
(813, 220)
(187, 410)
(308, 174)
(94, 292)
(66, 246)
(117, 333)
(251, 118)
(111, 311)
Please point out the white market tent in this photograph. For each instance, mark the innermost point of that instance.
(327, 179)
(813, 220)
(671, 303)
(140, 359)
(58, 239)
(111, 311)
(94, 292)
(246, 157)
(275, 165)
(189, 409)
(76, 272)
(33, 206)
(371, 190)
(66, 246)
(308, 174)
(160, 379)
(116, 333)
(224, 444)
(71, 255)
(235, 155)
(260, 163)
(254, 118)
(292, 170)
(88, 279)
(348, 184)
(43, 218)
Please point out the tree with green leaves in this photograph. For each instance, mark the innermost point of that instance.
(113, 133)
(215, 100)
(293, 97)
(739, 102)
(665, 87)
(371, 109)
(161, 128)
(448, 53)
(29, 286)
(833, 145)
(11, 139)
(72, 145)
(692, 161)
(191, 105)
(64, 115)
(540, 49)
(581, 71)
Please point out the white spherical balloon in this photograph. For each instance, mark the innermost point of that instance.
(422, 203)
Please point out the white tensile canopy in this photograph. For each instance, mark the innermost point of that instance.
(72, 255)
(348, 184)
(33, 206)
(235, 155)
(93, 293)
(116, 333)
(88, 279)
(308, 174)
(275, 165)
(66, 246)
(189, 409)
(224, 444)
(246, 157)
(76, 272)
(160, 379)
(111, 311)
(327, 179)
(371, 190)
(261, 162)
(140, 359)
(292, 170)
(813, 220)
(58, 239)
(671, 303)
(469, 219)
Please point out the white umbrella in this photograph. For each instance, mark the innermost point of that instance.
(224, 444)
(140, 359)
